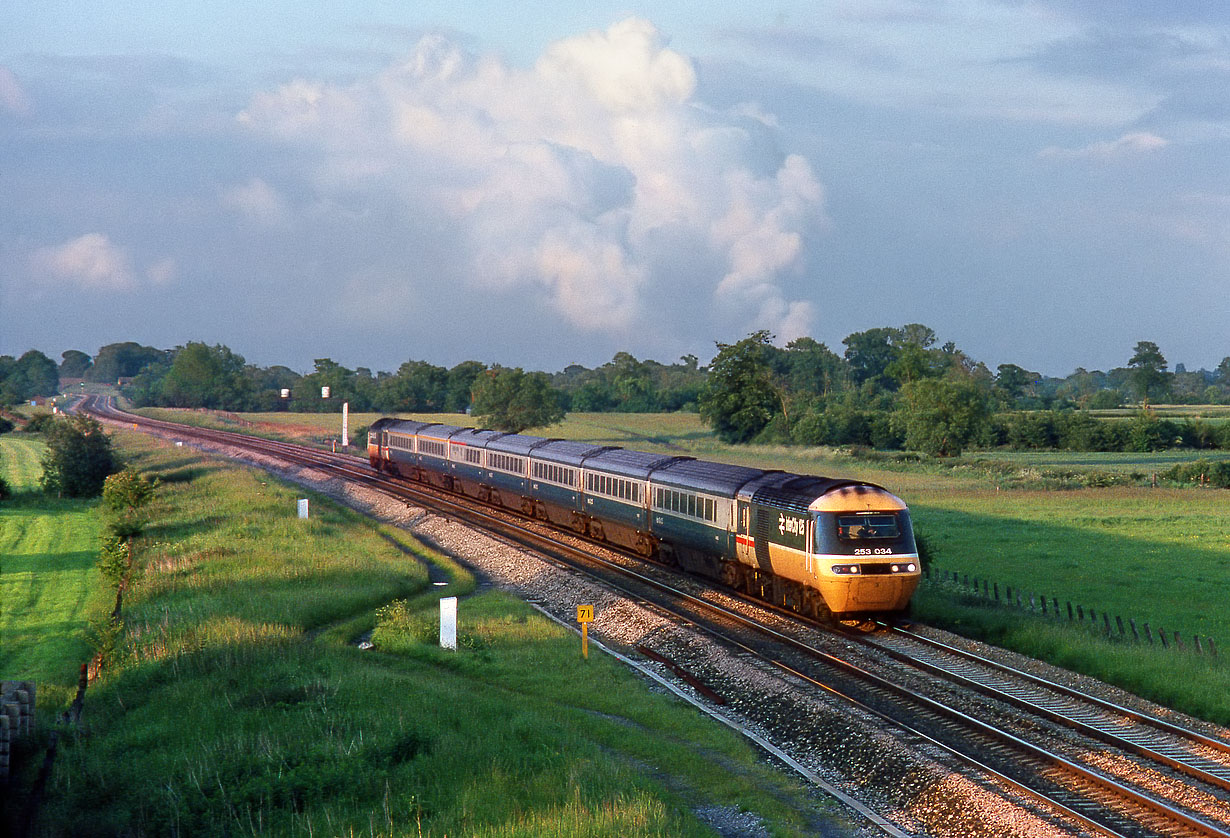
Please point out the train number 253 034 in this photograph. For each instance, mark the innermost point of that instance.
(873, 551)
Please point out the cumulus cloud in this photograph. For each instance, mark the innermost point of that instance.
(1126, 146)
(90, 262)
(565, 181)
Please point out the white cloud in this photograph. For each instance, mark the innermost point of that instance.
(12, 97)
(90, 262)
(564, 180)
(1128, 145)
(258, 201)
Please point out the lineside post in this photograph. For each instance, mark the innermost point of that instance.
(585, 616)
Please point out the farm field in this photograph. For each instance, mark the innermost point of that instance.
(236, 679)
(48, 583)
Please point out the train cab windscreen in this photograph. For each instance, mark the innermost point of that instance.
(868, 527)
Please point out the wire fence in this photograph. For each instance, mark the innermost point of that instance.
(1078, 615)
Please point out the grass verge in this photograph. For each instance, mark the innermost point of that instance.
(233, 701)
(1191, 683)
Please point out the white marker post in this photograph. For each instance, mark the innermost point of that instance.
(303, 507)
(448, 622)
(345, 424)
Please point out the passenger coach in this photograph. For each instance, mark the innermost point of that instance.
(822, 546)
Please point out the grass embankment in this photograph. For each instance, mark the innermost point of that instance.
(235, 702)
(48, 585)
(1158, 555)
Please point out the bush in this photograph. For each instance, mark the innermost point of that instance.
(1106, 400)
(813, 428)
(5, 425)
(1032, 431)
(5, 491)
(1217, 474)
(39, 423)
(79, 458)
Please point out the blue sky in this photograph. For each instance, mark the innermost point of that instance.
(1042, 183)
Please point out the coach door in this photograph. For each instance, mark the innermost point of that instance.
(743, 545)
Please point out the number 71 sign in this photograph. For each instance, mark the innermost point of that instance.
(585, 616)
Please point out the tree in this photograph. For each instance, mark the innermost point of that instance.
(33, 374)
(941, 416)
(41, 375)
(204, 376)
(740, 397)
(460, 385)
(1148, 371)
(123, 360)
(1012, 381)
(74, 363)
(79, 458)
(869, 353)
(814, 369)
(417, 386)
(514, 400)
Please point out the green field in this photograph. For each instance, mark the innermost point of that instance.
(234, 700)
(1024, 520)
(48, 584)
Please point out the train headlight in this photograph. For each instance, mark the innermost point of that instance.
(845, 569)
(903, 568)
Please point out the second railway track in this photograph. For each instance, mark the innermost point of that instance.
(1080, 765)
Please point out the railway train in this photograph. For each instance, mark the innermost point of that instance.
(828, 548)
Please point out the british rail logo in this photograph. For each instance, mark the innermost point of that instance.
(788, 525)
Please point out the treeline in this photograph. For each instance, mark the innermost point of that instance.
(215, 377)
(888, 388)
(893, 388)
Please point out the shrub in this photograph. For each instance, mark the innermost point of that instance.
(1217, 474)
(5, 425)
(39, 423)
(79, 458)
(813, 428)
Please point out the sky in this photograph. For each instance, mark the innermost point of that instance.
(1042, 183)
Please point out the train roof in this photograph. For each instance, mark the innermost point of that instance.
(567, 452)
(704, 476)
(475, 437)
(403, 426)
(515, 443)
(441, 432)
(799, 492)
(635, 464)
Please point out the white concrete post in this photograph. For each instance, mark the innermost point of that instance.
(448, 622)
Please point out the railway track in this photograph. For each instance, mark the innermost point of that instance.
(1096, 767)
